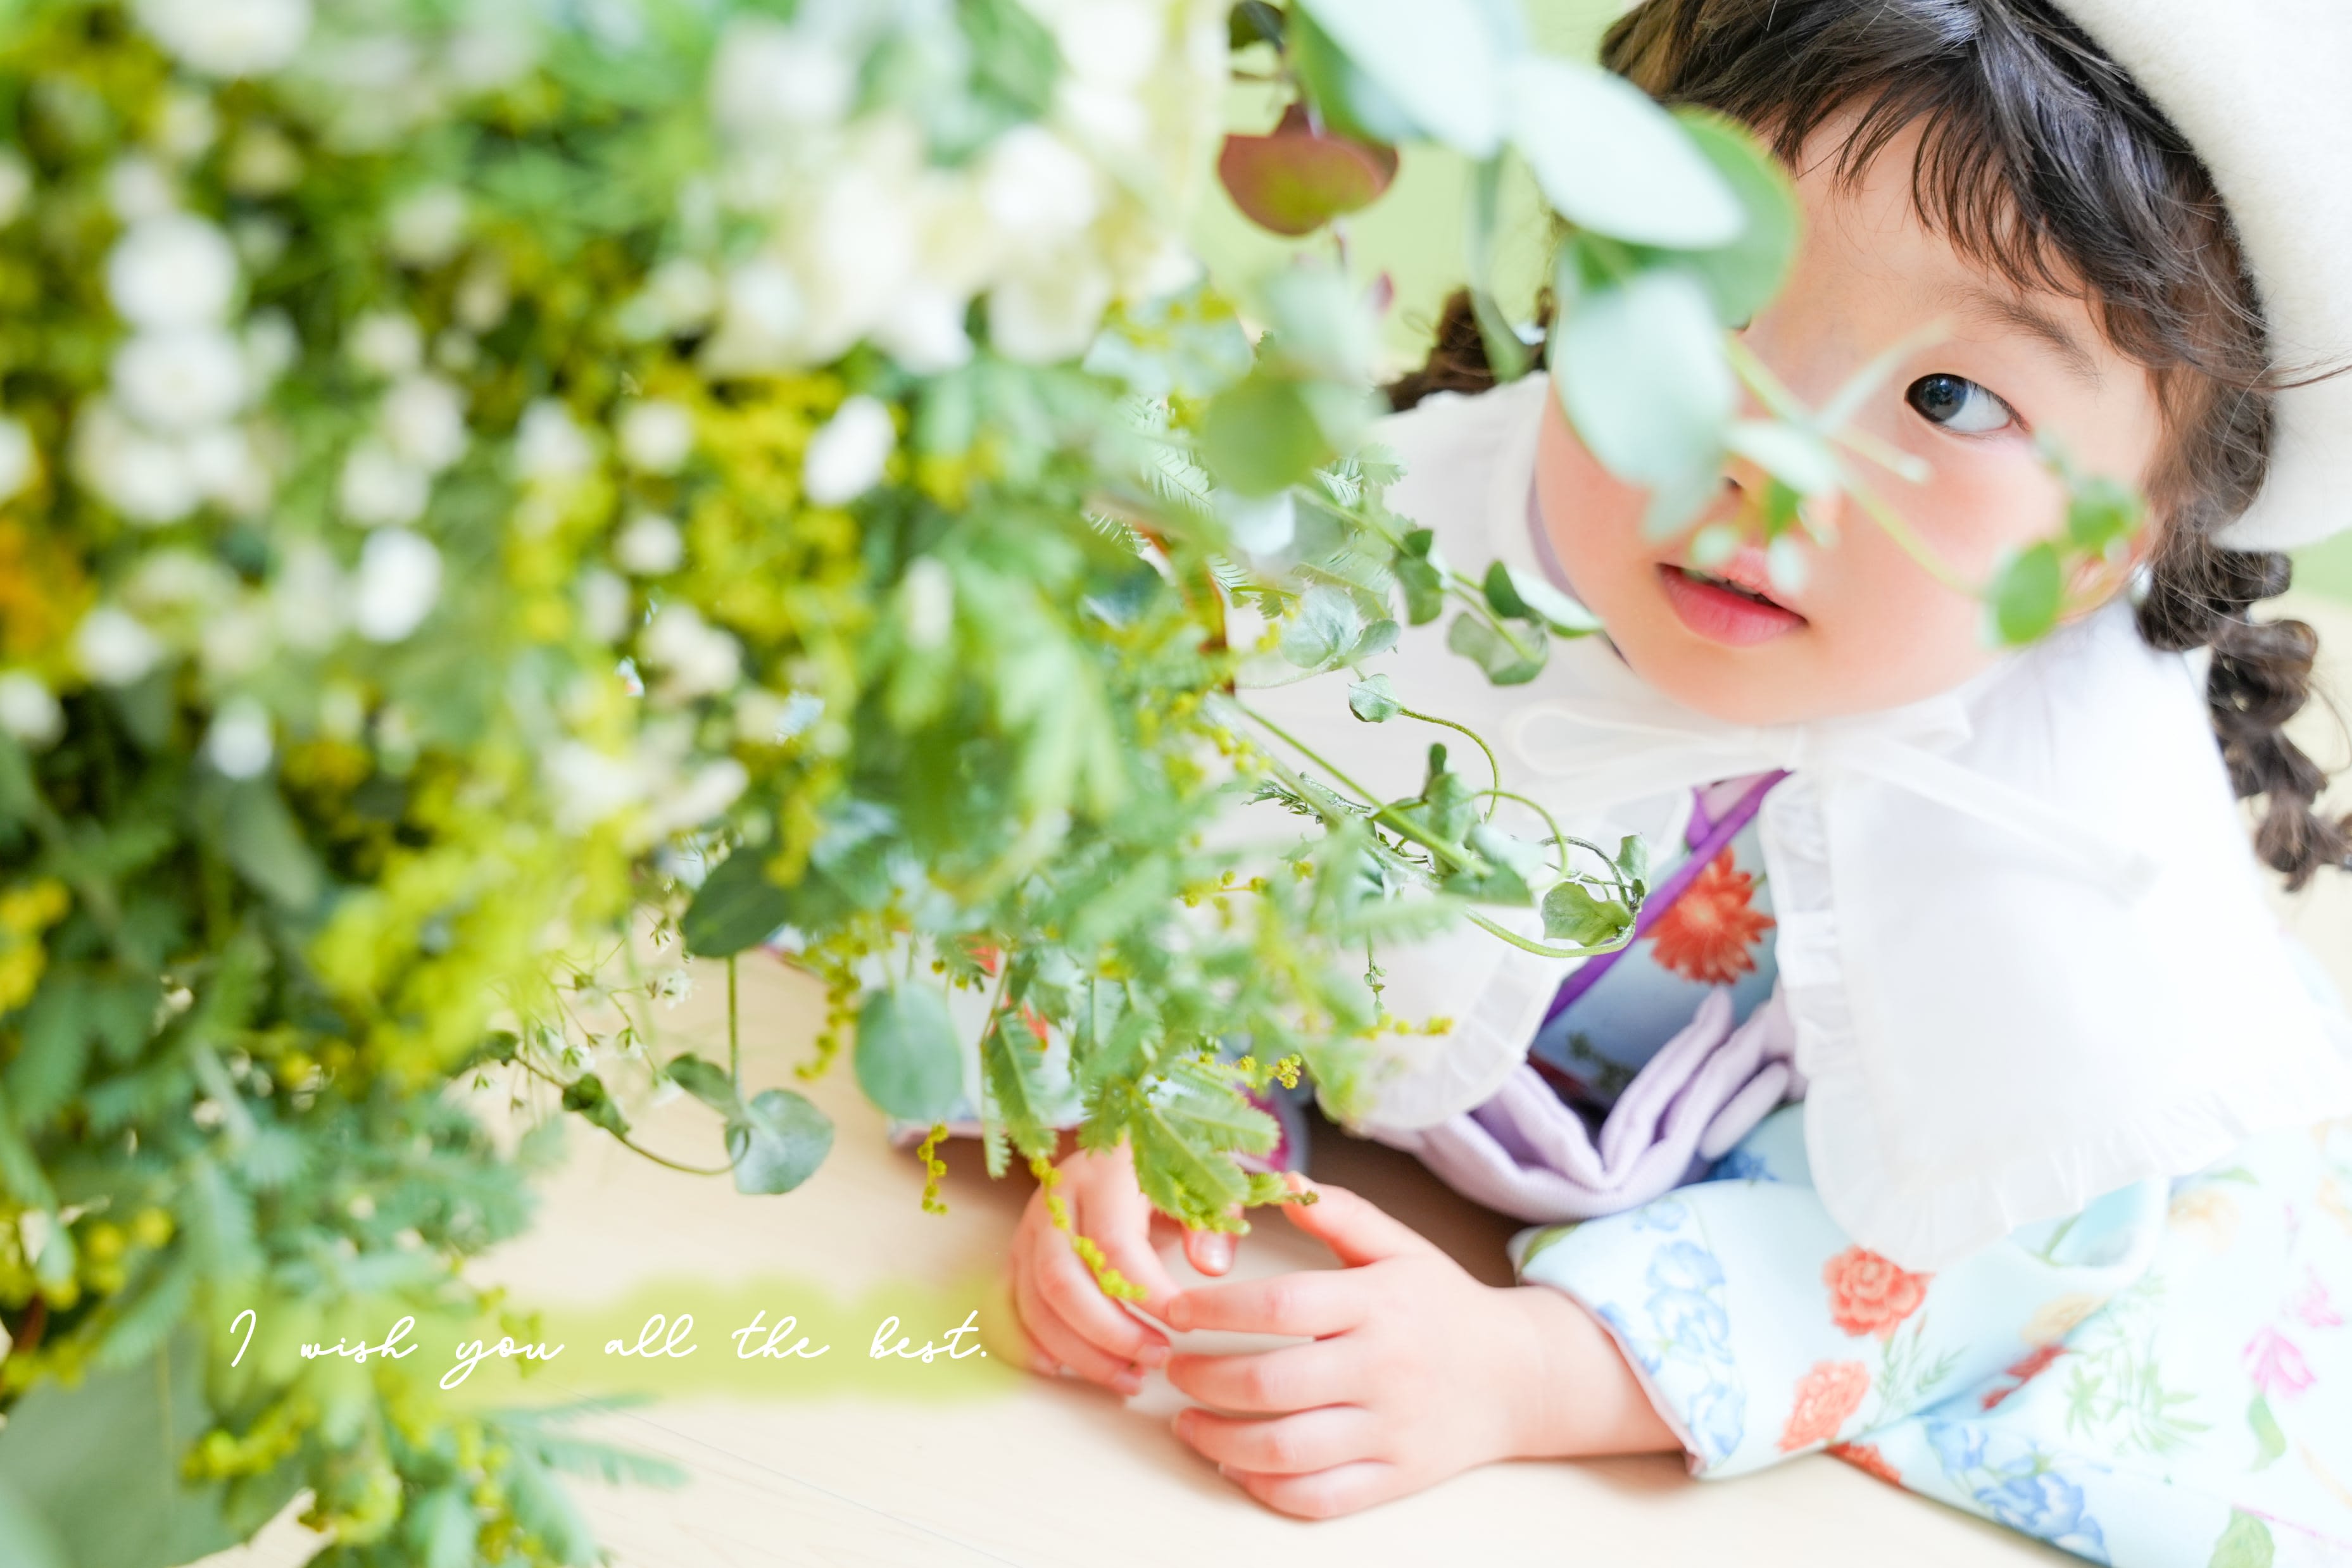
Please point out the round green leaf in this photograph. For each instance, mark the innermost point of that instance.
(2025, 594)
(1373, 699)
(908, 1062)
(1641, 376)
(1259, 436)
(1296, 179)
(736, 908)
(1743, 275)
(707, 1081)
(1609, 158)
(778, 1142)
(1436, 64)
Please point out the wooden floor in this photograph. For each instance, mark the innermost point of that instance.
(1013, 1469)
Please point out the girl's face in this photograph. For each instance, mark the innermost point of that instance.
(1868, 628)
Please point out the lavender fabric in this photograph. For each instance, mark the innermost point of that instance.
(1525, 1153)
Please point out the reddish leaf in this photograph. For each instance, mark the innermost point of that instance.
(1297, 178)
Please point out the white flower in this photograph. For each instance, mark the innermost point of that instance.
(589, 784)
(764, 313)
(183, 378)
(604, 605)
(239, 742)
(550, 446)
(171, 270)
(482, 297)
(456, 351)
(145, 478)
(381, 487)
(845, 459)
(306, 596)
(924, 331)
(228, 38)
(699, 657)
(137, 187)
(1036, 187)
(221, 464)
(649, 546)
(28, 711)
(260, 241)
(657, 436)
(926, 603)
(427, 225)
(387, 343)
(237, 642)
(114, 648)
(1110, 43)
(678, 295)
(399, 580)
(770, 78)
(425, 422)
(18, 461)
(1043, 315)
(271, 347)
(16, 187)
(185, 125)
(707, 794)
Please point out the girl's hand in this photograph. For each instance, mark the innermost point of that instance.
(1070, 1321)
(1417, 1371)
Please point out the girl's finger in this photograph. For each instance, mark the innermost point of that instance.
(1325, 1494)
(1124, 1234)
(1065, 1344)
(1315, 1301)
(1269, 1382)
(1296, 1444)
(1351, 1224)
(1064, 1282)
(1210, 1251)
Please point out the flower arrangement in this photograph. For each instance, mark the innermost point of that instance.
(496, 505)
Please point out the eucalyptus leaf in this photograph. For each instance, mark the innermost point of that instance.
(777, 1142)
(2026, 591)
(1373, 699)
(1326, 627)
(1260, 436)
(1798, 457)
(706, 1080)
(1570, 914)
(1609, 159)
(1509, 659)
(264, 843)
(736, 908)
(1743, 275)
(1346, 98)
(1436, 65)
(1641, 373)
(908, 1060)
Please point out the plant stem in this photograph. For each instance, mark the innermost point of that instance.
(1493, 766)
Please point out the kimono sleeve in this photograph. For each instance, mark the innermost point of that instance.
(1762, 1332)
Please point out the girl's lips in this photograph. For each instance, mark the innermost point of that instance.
(1721, 615)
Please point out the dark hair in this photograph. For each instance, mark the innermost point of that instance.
(2041, 160)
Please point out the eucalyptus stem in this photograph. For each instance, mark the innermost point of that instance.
(1539, 948)
(1493, 766)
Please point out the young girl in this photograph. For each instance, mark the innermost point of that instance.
(2056, 1231)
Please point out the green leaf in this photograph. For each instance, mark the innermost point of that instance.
(1327, 626)
(2100, 513)
(1641, 373)
(907, 1061)
(262, 841)
(442, 1527)
(777, 1142)
(1373, 699)
(736, 908)
(1502, 597)
(1573, 915)
(1420, 577)
(544, 1507)
(2025, 594)
(1414, 66)
(26, 1538)
(2244, 1543)
(1801, 459)
(1633, 860)
(2270, 1442)
(1012, 1059)
(1510, 862)
(1253, 22)
(707, 1081)
(1743, 276)
(1533, 599)
(586, 1096)
(1611, 160)
(1296, 179)
(1510, 658)
(1259, 436)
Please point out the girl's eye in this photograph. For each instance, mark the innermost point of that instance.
(1958, 405)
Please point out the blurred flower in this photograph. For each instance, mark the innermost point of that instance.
(482, 297)
(550, 446)
(185, 378)
(399, 580)
(699, 658)
(770, 76)
(589, 784)
(760, 329)
(926, 603)
(137, 187)
(425, 228)
(306, 595)
(144, 477)
(28, 711)
(239, 743)
(657, 436)
(924, 331)
(185, 125)
(18, 461)
(171, 270)
(1036, 187)
(1047, 314)
(262, 162)
(709, 792)
(114, 648)
(604, 605)
(381, 487)
(649, 546)
(228, 38)
(845, 459)
(425, 422)
(221, 463)
(386, 342)
(271, 347)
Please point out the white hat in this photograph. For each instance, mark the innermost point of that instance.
(2262, 91)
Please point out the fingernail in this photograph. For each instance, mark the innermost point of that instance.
(1219, 1250)
(1152, 1355)
(1180, 1312)
(1128, 1383)
(1182, 1423)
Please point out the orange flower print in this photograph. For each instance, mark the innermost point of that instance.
(1866, 1457)
(2025, 1371)
(1870, 1295)
(1705, 934)
(1826, 1397)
